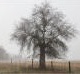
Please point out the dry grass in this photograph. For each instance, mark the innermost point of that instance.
(27, 67)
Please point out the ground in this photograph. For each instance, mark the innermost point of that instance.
(56, 67)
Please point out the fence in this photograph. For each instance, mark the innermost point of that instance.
(56, 66)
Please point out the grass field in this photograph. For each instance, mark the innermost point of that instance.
(56, 67)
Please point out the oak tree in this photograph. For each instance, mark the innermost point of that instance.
(47, 30)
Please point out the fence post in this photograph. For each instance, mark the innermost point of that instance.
(51, 65)
(11, 60)
(69, 67)
(32, 63)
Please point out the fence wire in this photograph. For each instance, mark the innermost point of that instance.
(26, 65)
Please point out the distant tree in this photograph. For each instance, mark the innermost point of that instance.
(47, 31)
(3, 54)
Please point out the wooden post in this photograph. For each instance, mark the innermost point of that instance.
(32, 63)
(51, 65)
(11, 60)
(69, 67)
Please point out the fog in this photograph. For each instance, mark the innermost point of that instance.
(11, 12)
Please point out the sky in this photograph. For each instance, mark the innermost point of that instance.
(11, 12)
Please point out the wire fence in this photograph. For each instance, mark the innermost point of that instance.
(55, 66)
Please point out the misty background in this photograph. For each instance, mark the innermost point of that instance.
(11, 12)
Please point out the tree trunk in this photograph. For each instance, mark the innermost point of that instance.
(42, 58)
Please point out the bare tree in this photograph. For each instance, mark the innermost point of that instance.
(3, 54)
(46, 30)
